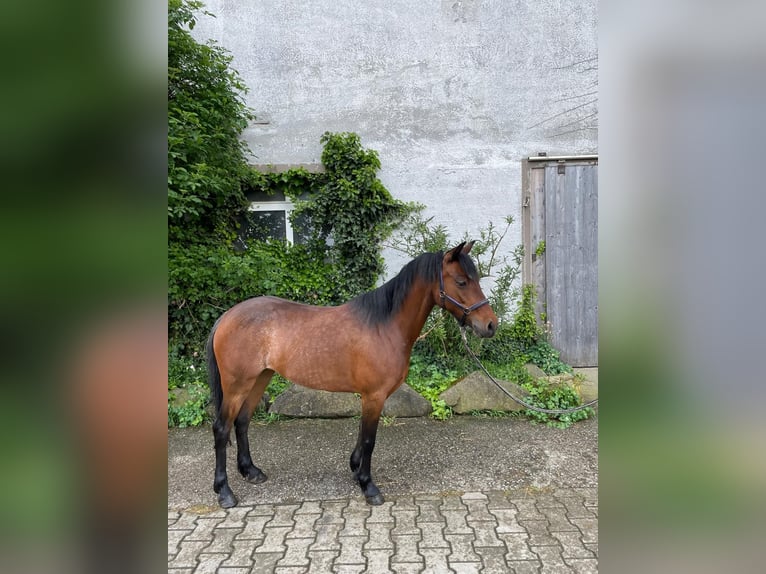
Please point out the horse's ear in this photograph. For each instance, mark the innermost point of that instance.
(467, 247)
(454, 254)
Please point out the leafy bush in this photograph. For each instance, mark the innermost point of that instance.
(206, 114)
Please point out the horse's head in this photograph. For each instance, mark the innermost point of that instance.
(461, 294)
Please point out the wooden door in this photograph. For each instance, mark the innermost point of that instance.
(560, 227)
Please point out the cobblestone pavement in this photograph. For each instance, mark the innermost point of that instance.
(526, 530)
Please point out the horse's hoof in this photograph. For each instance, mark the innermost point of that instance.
(227, 500)
(257, 478)
(376, 500)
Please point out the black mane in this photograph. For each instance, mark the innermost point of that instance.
(381, 304)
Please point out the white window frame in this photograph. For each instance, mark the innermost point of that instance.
(286, 206)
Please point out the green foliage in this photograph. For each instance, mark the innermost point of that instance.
(540, 249)
(558, 395)
(186, 380)
(206, 114)
(350, 213)
(430, 380)
(524, 328)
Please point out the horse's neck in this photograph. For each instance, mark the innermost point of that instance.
(414, 312)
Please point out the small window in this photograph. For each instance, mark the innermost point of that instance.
(268, 217)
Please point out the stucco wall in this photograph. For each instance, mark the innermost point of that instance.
(452, 94)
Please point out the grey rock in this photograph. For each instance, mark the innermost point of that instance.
(297, 401)
(476, 392)
(406, 402)
(535, 371)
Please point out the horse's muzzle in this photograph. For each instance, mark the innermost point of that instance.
(483, 329)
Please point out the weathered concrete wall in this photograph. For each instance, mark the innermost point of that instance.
(452, 94)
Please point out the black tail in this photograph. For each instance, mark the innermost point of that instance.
(213, 374)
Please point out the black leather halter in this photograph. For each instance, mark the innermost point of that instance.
(466, 310)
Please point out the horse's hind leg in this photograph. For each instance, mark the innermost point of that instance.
(247, 469)
(221, 432)
(362, 455)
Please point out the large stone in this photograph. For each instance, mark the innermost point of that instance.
(406, 402)
(475, 392)
(297, 401)
(535, 371)
(589, 384)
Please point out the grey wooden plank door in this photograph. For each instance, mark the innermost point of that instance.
(562, 210)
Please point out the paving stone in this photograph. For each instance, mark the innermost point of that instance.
(524, 566)
(497, 499)
(188, 550)
(428, 511)
(518, 546)
(241, 554)
(575, 507)
(407, 567)
(222, 540)
(349, 568)
(254, 528)
(435, 560)
(235, 517)
(500, 531)
(588, 527)
(378, 560)
(493, 559)
(583, 566)
(550, 556)
(539, 535)
(486, 535)
(266, 563)
(309, 507)
(405, 523)
(296, 554)
(283, 516)
(432, 536)
(262, 510)
(381, 514)
(572, 545)
(506, 520)
(474, 496)
(379, 536)
(326, 537)
(461, 548)
(186, 521)
(453, 503)
(321, 560)
(527, 510)
(557, 520)
(354, 516)
(304, 526)
(174, 539)
(351, 550)
(477, 510)
(333, 512)
(406, 548)
(465, 567)
(456, 522)
(274, 541)
(204, 529)
(208, 563)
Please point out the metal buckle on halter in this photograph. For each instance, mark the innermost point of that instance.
(466, 310)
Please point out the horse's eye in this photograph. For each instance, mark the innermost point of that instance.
(460, 282)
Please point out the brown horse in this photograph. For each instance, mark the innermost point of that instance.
(363, 347)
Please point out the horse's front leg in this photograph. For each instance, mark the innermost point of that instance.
(361, 458)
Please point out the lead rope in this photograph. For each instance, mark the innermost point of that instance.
(521, 402)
